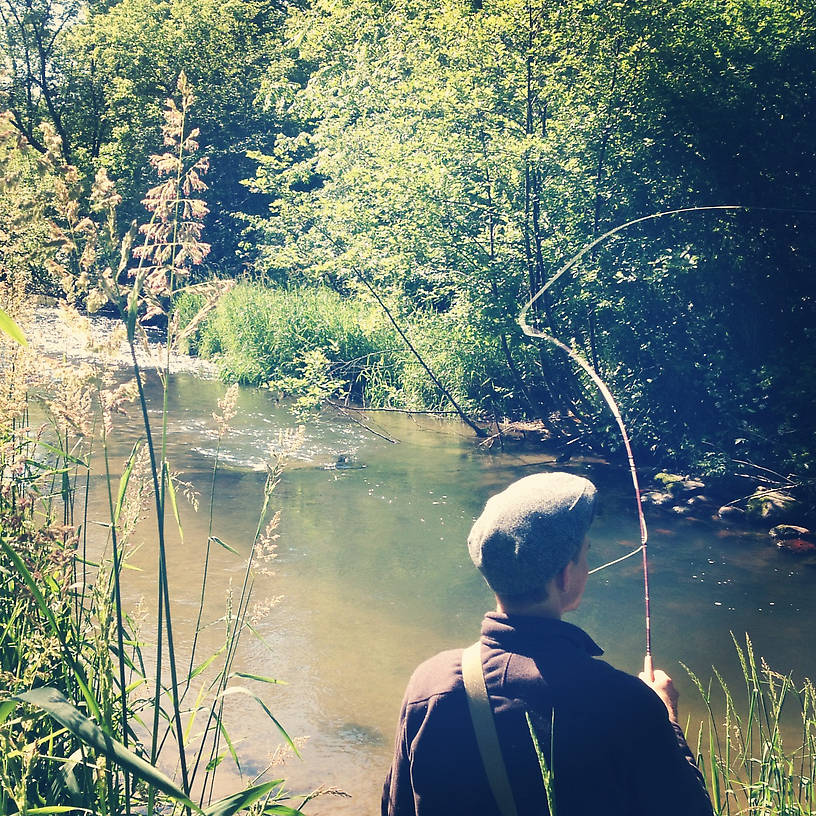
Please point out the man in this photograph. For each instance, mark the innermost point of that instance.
(611, 742)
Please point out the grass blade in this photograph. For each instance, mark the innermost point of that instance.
(77, 670)
(125, 480)
(226, 546)
(241, 800)
(260, 678)
(9, 327)
(260, 702)
(171, 491)
(54, 703)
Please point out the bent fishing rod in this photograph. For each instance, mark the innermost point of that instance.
(648, 666)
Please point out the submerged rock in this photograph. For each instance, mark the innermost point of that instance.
(654, 498)
(699, 499)
(361, 734)
(799, 546)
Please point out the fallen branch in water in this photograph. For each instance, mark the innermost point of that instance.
(345, 409)
(363, 409)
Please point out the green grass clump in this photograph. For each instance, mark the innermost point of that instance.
(759, 759)
(259, 333)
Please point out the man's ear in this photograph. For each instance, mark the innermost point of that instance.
(561, 578)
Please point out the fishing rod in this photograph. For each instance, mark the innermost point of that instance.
(648, 667)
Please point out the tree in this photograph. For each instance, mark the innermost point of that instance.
(455, 154)
(38, 77)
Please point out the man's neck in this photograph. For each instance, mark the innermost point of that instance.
(548, 608)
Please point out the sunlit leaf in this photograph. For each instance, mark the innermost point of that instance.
(241, 800)
(6, 707)
(10, 328)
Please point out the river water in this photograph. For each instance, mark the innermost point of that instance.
(373, 576)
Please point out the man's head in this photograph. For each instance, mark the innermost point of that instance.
(528, 533)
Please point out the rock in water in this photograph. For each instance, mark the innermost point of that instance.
(698, 499)
(799, 546)
(656, 499)
(785, 532)
(770, 505)
(728, 512)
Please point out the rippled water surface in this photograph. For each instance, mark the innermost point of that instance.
(373, 574)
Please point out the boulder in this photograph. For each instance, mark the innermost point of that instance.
(770, 505)
(728, 512)
(786, 532)
(681, 510)
(670, 482)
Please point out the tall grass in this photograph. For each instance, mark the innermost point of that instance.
(759, 758)
(117, 708)
(260, 334)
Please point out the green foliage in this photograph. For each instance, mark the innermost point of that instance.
(314, 384)
(453, 154)
(457, 155)
(261, 333)
(467, 359)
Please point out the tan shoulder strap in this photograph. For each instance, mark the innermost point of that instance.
(485, 727)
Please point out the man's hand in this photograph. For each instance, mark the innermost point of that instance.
(661, 684)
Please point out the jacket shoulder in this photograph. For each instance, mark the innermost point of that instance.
(439, 675)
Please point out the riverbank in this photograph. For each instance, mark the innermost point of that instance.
(315, 346)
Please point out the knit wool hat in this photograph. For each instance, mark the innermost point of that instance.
(530, 531)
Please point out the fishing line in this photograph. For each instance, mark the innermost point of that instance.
(616, 560)
(607, 394)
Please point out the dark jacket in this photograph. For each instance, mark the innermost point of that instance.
(614, 749)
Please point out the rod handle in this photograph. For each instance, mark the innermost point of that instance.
(648, 668)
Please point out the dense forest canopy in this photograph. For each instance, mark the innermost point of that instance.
(449, 156)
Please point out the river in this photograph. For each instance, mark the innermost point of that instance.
(373, 575)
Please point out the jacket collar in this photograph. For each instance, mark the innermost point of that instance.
(526, 635)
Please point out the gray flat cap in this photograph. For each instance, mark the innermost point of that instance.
(529, 532)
